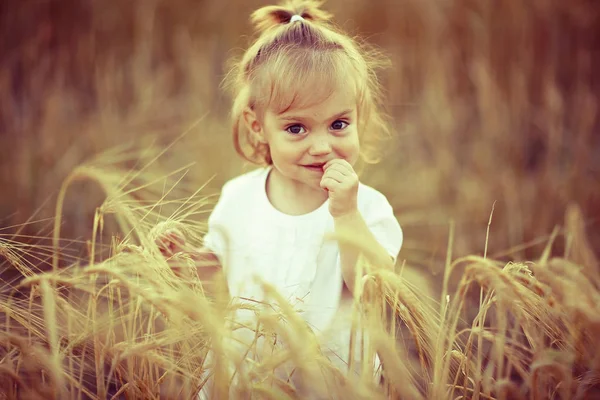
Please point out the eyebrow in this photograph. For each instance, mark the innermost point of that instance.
(296, 118)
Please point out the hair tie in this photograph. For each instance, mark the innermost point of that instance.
(296, 18)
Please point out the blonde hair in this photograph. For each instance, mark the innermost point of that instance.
(286, 65)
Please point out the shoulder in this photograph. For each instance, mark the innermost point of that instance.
(371, 198)
(374, 206)
(241, 184)
(242, 187)
(380, 217)
(232, 207)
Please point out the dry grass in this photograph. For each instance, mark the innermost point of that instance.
(120, 323)
(495, 105)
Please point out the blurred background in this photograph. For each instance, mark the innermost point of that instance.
(494, 105)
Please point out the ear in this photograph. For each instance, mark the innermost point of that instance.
(253, 125)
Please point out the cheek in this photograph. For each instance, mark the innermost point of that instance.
(349, 148)
(284, 152)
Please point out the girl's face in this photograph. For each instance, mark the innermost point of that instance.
(301, 141)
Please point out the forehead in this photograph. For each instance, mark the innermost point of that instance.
(300, 83)
(339, 102)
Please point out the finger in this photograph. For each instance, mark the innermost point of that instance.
(341, 165)
(330, 163)
(340, 169)
(162, 245)
(178, 265)
(175, 231)
(166, 247)
(176, 237)
(335, 175)
(329, 184)
(338, 161)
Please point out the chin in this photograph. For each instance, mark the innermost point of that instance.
(313, 181)
(309, 179)
(300, 175)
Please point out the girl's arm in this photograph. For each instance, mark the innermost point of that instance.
(341, 182)
(364, 241)
(206, 264)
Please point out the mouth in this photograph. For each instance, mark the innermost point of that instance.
(315, 166)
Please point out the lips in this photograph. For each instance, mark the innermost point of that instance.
(315, 165)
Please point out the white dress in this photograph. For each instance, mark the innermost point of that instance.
(253, 240)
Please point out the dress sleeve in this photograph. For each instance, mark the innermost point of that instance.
(383, 224)
(216, 237)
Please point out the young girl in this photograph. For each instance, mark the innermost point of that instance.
(306, 108)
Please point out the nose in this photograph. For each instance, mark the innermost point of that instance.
(320, 146)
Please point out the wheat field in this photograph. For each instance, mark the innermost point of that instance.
(113, 126)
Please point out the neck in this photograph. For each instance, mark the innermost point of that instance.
(293, 197)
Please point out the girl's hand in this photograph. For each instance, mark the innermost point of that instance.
(172, 246)
(186, 261)
(170, 242)
(341, 182)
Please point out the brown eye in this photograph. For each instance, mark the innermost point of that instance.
(339, 125)
(295, 129)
